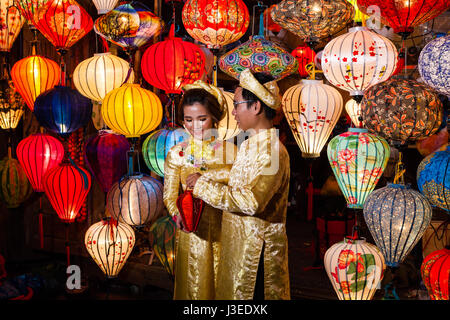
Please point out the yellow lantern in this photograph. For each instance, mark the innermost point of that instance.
(228, 127)
(353, 109)
(11, 105)
(100, 74)
(131, 110)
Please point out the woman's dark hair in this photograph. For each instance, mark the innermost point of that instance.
(248, 95)
(204, 98)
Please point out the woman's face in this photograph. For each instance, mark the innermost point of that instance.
(198, 121)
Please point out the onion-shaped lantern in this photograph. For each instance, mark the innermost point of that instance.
(259, 55)
(110, 244)
(355, 268)
(353, 109)
(11, 22)
(435, 271)
(228, 128)
(66, 187)
(157, 145)
(312, 109)
(104, 6)
(396, 216)
(62, 110)
(136, 200)
(29, 9)
(106, 157)
(11, 105)
(34, 75)
(37, 154)
(433, 179)
(359, 59)
(312, 20)
(162, 238)
(100, 74)
(131, 110)
(304, 56)
(434, 64)
(401, 110)
(358, 159)
(215, 23)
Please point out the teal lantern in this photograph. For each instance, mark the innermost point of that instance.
(358, 159)
(158, 144)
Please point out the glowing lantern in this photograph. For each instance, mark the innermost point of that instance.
(104, 6)
(312, 110)
(33, 75)
(158, 144)
(11, 22)
(358, 160)
(228, 127)
(312, 20)
(304, 56)
(110, 243)
(136, 200)
(353, 109)
(162, 237)
(37, 154)
(433, 179)
(131, 110)
(396, 216)
(106, 157)
(11, 105)
(435, 274)
(100, 74)
(62, 110)
(434, 64)
(29, 9)
(357, 60)
(66, 187)
(355, 268)
(97, 118)
(215, 23)
(401, 110)
(269, 24)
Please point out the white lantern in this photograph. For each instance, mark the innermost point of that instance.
(100, 74)
(312, 109)
(110, 243)
(353, 109)
(227, 127)
(359, 59)
(105, 6)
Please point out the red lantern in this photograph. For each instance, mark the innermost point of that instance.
(173, 63)
(38, 154)
(67, 186)
(269, 24)
(436, 272)
(190, 209)
(304, 56)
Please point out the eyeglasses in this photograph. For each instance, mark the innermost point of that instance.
(235, 103)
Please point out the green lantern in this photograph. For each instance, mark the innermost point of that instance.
(358, 159)
(162, 238)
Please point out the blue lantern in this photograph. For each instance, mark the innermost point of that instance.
(433, 179)
(62, 110)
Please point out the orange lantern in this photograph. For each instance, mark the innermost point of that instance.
(11, 22)
(304, 56)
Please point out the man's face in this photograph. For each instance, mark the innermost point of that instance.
(242, 114)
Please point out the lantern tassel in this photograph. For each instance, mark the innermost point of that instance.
(399, 170)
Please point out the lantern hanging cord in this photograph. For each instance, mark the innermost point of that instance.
(399, 170)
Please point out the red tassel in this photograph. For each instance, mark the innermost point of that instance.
(41, 230)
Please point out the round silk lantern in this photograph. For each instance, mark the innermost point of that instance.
(130, 25)
(162, 237)
(131, 110)
(171, 64)
(258, 55)
(434, 64)
(29, 9)
(228, 127)
(396, 216)
(355, 268)
(215, 23)
(100, 74)
(304, 56)
(433, 179)
(110, 243)
(353, 109)
(11, 22)
(15, 187)
(312, 109)
(136, 200)
(37, 154)
(312, 20)
(62, 110)
(104, 6)
(34, 75)
(157, 145)
(66, 187)
(435, 274)
(106, 157)
(11, 105)
(401, 110)
(358, 160)
(359, 59)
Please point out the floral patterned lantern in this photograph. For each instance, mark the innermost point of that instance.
(433, 179)
(110, 244)
(357, 60)
(355, 268)
(11, 22)
(29, 9)
(215, 23)
(396, 216)
(434, 64)
(228, 128)
(312, 110)
(11, 105)
(401, 110)
(304, 56)
(353, 109)
(358, 160)
(435, 274)
(104, 6)
(162, 237)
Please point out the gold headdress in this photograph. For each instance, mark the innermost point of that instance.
(268, 92)
(199, 84)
